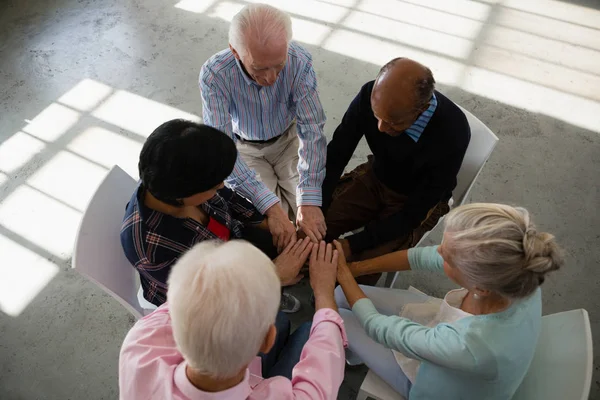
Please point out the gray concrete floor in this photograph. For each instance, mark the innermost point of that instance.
(83, 82)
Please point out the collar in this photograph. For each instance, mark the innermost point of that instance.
(417, 128)
(240, 391)
(247, 79)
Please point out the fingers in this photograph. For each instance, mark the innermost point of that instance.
(313, 255)
(292, 236)
(322, 250)
(334, 260)
(296, 246)
(281, 244)
(322, 227)
(328, 252)
(302, 246)
(307, 250)
(310, 233)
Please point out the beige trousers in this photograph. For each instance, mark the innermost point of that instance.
(276, 165)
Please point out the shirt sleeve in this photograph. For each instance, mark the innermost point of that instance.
(339, 151)
(442, 177)
(215, 112)
(444, 344)
(241, 209)
(425, 259)
(320, 371)
(312, 153)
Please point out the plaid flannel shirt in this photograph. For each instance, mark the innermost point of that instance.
(153, 241)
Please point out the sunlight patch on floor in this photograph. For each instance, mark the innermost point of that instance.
(24, 274)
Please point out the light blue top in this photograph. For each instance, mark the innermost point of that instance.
(477, 357)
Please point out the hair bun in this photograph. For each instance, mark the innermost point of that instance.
(542, 254)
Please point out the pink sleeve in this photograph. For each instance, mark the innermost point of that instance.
(320, 371)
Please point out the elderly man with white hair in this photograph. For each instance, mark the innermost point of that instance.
(262, 92)
(203, 343)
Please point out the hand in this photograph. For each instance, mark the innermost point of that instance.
(345, 246)
(323, 269)
(343, 270)
(351, 289)
(291, 260)
(281, 227)
(312, 222)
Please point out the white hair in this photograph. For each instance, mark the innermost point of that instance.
(497, 247)
(222, 299)
(262, 22)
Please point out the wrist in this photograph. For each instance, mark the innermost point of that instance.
(324, 290)
(345, 276)
(325, 301)
(274, 210)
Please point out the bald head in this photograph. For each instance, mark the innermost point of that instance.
(402, 91)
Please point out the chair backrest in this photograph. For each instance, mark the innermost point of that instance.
(480, 148)
(482, 144)
(98, 253)
(562, 364)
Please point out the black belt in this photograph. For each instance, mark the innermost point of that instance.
(272, 140)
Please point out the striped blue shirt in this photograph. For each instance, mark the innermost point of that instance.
(417, 128)
(235, 104)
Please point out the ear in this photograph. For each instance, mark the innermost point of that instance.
(235, 53)
(269, 341)
(482, 292)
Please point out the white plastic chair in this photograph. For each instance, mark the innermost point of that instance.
(561, 367)
(482, 144)
(98, 253)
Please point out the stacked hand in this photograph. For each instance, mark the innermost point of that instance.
(312, 222)
(323, 274)
(281, 227)
(291, 260)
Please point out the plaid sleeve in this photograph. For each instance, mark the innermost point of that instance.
(241, 208)
(152, 255)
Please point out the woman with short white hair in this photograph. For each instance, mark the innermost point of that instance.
(476, 343)
(220, 313)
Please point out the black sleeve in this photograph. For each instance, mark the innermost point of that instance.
(441, 179)
(345, 139)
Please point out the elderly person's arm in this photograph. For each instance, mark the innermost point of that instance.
(320, 371)
(215, 112)
(419, 258)
(312, 153)
(442, 345)
(344, 142)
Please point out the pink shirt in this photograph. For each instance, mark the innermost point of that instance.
(151, 367)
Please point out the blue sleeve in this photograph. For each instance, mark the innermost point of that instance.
(425, 259)
(444, 344)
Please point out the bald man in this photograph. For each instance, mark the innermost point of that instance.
(418, 138)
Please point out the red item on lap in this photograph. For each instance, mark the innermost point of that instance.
(220, 230)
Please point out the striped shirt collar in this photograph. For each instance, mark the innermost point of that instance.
(248, 80)
(417, 128)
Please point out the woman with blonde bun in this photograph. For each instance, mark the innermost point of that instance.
(477, 342)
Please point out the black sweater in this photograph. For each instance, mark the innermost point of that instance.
(425, 170)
